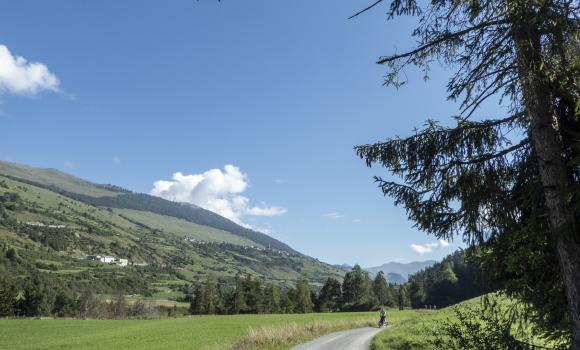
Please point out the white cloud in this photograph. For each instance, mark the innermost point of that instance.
(215, 190)
(333, 215)
(356, 220)
(18, 76)
(266, 211)
(116, 160)
(279, 181)
(429, 247)
(69, 164)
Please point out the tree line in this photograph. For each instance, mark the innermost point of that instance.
(456, 278)
(247, 295)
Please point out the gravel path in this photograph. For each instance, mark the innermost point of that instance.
(354, 339)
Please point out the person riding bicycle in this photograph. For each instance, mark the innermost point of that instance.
(383, 315)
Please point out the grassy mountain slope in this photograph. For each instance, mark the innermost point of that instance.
(57, 179)
(181, 227)
(51, 234)
(117, 197)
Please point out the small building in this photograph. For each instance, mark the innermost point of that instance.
(108, 259)
(122, 262)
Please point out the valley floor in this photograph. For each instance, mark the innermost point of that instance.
(409, 329)
(196, 332)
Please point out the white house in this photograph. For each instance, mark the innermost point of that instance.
(107, 259)
(122, 262)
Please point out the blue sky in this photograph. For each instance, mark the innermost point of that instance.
(281, 90)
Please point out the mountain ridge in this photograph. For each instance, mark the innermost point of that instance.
(116, 197)
(402, 269)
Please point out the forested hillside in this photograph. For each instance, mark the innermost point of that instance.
(455, 279)
(50, 246)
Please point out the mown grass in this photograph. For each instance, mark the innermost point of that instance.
(208, 332)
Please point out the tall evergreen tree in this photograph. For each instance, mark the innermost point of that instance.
(271, 299)
(510, 184)
(382, 291)
(403, 297)
(239, 297)
(210, 295)
(357, 293)
(195, 307)
(330, 296)
(303, 297)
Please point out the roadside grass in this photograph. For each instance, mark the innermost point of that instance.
(285, 336)
(414, 330)
(196, 332)
(410, 332)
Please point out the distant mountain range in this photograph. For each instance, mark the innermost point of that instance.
(400, 271)
(395, 272)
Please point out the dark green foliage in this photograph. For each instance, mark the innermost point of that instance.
(455, 279)
(8, 297)
(10, 201)
(56, 238)
(330, 297)
(403, 300)
(65, 304)
(509, 184)
(384, 292)
(357, 291)
(249, 296)
(272, 298)
(303, 297)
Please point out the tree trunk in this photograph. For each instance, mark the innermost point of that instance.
(547, 144)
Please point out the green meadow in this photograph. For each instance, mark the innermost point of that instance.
(409, 329)
(196, 332)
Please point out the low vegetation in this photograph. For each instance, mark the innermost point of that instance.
(283, 337)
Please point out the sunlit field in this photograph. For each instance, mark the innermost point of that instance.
(174, 333)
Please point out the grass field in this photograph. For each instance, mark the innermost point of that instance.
(409, 330)
(208, 332)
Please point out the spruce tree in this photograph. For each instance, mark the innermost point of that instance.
(508, 183)
(303, 297)
(381, 290)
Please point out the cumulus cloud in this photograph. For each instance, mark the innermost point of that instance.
(429, 247)
(18, 76)
(333, 215)
(216, 190)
